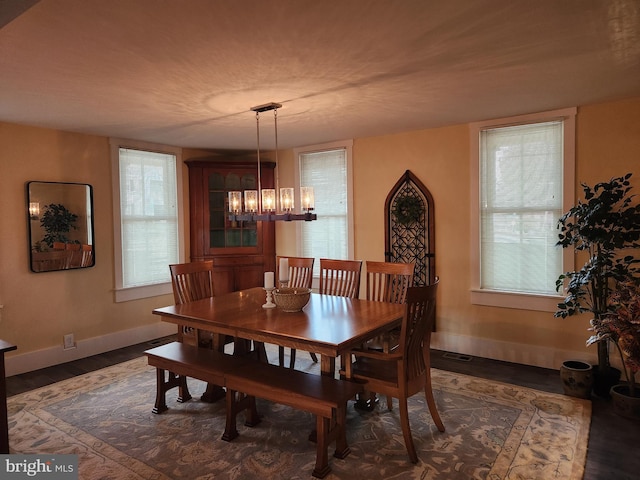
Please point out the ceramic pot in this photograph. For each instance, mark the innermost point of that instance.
(623, 404)
(602, 383)
(577, 378)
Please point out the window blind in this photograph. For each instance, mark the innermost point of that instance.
(521, 175)
(149, 218)
(326, 172)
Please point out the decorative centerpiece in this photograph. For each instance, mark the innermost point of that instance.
(291, 299)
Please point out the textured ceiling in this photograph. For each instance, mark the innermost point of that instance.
(187, 72)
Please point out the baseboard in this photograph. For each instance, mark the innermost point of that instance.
(27, 362)
(534, 355)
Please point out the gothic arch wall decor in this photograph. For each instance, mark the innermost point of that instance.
(409, 227)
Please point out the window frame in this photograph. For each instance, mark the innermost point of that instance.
(347, 146)
(519, 300)
(124, 294)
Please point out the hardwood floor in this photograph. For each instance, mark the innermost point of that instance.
(614, 442)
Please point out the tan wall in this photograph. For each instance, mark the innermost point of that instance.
(608, 144)
(40, 308)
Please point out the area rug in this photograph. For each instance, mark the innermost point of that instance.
(493, 431)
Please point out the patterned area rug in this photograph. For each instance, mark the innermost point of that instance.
(493, 431)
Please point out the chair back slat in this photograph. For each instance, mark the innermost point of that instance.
(388, 281)
(340, 277)
(300, 271)
(417, 325)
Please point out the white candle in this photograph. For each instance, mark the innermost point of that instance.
(268, 279)
(283, 273)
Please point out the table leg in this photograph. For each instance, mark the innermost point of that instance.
(328, 366)
(213, 393)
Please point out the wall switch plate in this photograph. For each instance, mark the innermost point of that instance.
(68, 341)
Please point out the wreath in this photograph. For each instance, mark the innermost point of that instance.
(408, 210)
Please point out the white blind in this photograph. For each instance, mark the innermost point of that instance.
(521, 179)
(148, 212)
(326, 237)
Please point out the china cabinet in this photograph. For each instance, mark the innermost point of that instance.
(241, 251)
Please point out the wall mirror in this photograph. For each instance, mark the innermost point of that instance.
(60, 217)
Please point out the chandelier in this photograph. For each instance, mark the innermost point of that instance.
(261, 204)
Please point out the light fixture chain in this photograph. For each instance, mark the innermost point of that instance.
(259, 174)
(277, 172)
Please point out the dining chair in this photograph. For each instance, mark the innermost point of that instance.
(387, 282)
(87, 256)
(192, 281)
(75, 254)
(407, 370)
(51, 260)
(340, 277)
(300, 276)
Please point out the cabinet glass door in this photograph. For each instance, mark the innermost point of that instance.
(224, 233)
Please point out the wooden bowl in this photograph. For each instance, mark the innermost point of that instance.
(291, 299)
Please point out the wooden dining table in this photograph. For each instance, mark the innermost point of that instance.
(328, 325)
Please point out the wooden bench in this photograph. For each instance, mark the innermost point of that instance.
(323, 396)
(176, 361)
(245, 379)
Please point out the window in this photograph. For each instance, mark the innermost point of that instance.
(148, 223)
(327, 168)
(523, 171)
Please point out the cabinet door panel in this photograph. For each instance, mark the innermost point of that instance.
(223, 280)
(249, 276)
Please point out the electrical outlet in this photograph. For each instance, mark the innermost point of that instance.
(68, 341)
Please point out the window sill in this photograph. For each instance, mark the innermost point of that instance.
(147, 291)
(519, 301)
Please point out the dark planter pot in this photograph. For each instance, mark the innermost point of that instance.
(624, 404)
(577, 378)
(602, 383)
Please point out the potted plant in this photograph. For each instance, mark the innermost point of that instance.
(604, 226)
(621, 326)
(57, 222)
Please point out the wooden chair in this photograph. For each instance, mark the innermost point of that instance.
(300, 276)
(300, 271)
(192, 281)
(340, 277)
(51, 260)
(387, 282)
(87, 256)
(406, 371)
(75, 254)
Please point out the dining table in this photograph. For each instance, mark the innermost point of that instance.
(328, 325)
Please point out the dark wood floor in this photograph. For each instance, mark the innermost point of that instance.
(614, 442)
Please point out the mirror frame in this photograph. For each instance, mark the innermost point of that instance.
(69, 206)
